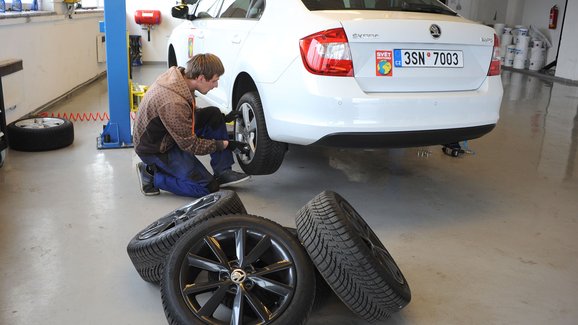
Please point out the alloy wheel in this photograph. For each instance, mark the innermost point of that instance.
(246, 131)
(242, 265)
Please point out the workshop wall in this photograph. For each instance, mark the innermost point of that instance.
(514, 12)
(567, 67)
(156, 49)
(537, 14)
(58, 54)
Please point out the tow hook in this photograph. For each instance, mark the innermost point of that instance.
(456, 150)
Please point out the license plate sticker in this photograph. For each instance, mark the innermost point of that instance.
(428, 59)
(383, 63)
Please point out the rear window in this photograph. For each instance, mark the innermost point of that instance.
(427, 6)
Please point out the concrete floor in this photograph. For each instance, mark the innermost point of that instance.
(489, 238)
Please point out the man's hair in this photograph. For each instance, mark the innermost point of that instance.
(206, 64)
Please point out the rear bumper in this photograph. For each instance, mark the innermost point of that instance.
(301, 108)
(403, 139)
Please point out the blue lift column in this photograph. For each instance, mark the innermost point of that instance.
(117, 133)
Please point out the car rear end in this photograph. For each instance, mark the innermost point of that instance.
(401, 73)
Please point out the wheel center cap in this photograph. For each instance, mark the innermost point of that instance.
(238, 276)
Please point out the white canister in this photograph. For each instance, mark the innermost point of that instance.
(507, 30)
(509, 57)
(519, 64)
(537, 58)
(537, 52)
(520, 58)
(522, 31)
(522, 42)
(499, 28)
(536, 63)
(537, 44)
(506, 39)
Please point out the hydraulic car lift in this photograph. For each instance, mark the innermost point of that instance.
(117, 133)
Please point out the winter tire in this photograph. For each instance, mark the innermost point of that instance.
(249, 260)
(351, 258)
(149, 248)
(40, 134)
(266, 155)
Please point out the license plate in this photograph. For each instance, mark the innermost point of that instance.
(428, 59)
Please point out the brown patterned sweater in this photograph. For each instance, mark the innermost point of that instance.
(165, 118)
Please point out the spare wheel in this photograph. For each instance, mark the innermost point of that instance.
(149, 248)
(351, 258)
(40, 133)
(238, 269)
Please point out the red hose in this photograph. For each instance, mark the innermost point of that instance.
(82, 117)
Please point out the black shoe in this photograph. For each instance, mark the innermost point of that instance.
(213, 186)
(231, 177)
(146, 180)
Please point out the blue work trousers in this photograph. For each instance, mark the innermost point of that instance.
(181, 172)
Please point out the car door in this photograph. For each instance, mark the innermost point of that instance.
(224, 36)
(188, 38)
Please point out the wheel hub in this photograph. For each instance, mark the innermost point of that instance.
(238, 276)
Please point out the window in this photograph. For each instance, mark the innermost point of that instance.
(9, 3)
(235, 9)
(428, 6)
(92, 4)
(209, 8)
(256, 9)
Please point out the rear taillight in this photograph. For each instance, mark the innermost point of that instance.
(495, 65)
(327, 53)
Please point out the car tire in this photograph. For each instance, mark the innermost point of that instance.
(266, 155)
(351, 258)
(149, 248)
(260, 266)
(40, 134)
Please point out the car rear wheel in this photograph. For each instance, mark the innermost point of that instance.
(266, 155)
(238, 269)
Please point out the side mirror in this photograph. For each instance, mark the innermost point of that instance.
(181, 11)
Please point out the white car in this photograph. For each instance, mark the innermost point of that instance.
(348, 73)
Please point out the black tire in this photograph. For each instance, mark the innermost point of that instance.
(266, 155)
(149, 248)
(258, 265)
(40, 134)
(351, 258)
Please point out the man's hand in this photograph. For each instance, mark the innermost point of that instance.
(232, 115)
(241, 147)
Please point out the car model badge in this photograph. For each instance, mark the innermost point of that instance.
(435, 31)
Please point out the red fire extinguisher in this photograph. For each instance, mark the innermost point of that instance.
(553, 17)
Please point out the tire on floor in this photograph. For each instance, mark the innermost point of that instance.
(248, 260)
(40, 133)
(149, 248)
(351, 258)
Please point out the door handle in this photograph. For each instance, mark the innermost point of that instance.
(236, 39)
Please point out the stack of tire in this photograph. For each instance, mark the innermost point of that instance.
(216, 264)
